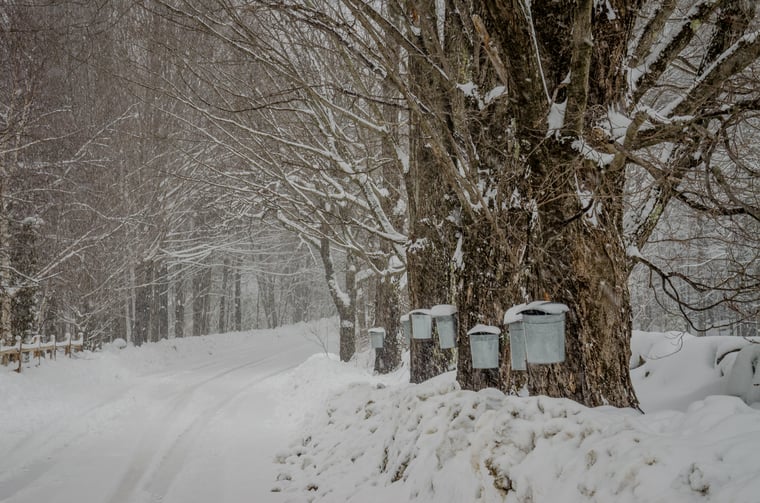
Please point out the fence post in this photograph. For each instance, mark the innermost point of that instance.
(55, 348)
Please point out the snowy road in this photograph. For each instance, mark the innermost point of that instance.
(204, 429)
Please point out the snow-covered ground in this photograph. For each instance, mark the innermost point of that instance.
(268, 417)
(186, 420)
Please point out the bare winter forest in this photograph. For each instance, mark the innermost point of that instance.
(172, 168)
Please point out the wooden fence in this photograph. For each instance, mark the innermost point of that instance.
(38, 349)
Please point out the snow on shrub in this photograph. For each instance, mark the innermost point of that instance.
(671, 370)
(744, 376)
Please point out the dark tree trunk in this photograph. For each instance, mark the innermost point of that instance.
(387, 292)
(238, 302)
(345, 301)
(24, 304)
(207, 304)
(267, 299)
(163, 302)
(348, 316)
(179, 304)
(223, 297)
(159, 302)
(579, 263)
(201, 304)
(363, 303)
(153, 301)
(5, 257)
(431, 234)
(387, 315)
(141, 333)
(501, 220)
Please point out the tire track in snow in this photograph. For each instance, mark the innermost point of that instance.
(59, 436)
(156, 463)
(171, 464)
(38, 455)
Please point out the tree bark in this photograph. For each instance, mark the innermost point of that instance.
(201, 304)
(179, 304)
(142, 289)
(387, 315)
(238, 301)
(432, 243)
(503, 216)
(267, 298)
(223, 297)
(24, 260)
(163, 301)
(5, 263)
(345, 301)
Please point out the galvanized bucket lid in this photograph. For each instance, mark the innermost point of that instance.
(515, 313)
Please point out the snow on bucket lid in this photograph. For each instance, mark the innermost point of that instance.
(404, 317)
(514, 313)
(376, 330)
(420, 311)
(442, 310)
(484, 329)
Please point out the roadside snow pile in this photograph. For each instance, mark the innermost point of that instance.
(674, 369)
(304, 391)
(434, 442)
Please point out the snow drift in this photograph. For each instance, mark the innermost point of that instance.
(434, 442)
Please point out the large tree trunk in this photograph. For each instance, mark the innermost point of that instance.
(5, 260)
(387, 315)
(431, 234)
(428, 279)
(505, 217)
(553, 256)
(344, 300)
(578, 258)
(388, 296)
(24, 260)
(348, 317)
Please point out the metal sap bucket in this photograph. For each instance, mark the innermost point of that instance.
(445, 316)
(536, 333)
(422, 324)
(484, 346)
(377, 337)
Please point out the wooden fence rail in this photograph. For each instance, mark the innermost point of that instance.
(38, 349)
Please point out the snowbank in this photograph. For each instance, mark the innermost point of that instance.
(672, 370)
(434, 442)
